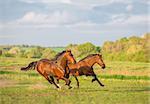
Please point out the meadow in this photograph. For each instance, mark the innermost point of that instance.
(125, 83)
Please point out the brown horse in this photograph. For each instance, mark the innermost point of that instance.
(54, 68)
(85, 67)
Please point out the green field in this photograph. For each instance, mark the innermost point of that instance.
(125, 83)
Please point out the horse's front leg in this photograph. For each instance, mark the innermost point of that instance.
(58, 82)
(52, 79)
(77, 81)
(96, 79)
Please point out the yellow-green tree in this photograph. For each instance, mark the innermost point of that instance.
(128, 49)
(48, 53)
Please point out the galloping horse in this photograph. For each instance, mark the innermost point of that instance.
(85, 67)
(54, 68)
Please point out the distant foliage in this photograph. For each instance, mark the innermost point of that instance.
(128, 49)
(48, 53)
(27, 52)
(83, 50)
(125, 49)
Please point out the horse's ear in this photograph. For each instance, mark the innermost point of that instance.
(100, 54)
(68, 50)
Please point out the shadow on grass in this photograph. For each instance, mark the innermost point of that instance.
(117, 89)
(134, 89)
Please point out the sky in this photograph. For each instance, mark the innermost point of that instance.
(62, 22)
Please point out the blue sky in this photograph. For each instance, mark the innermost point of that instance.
(61, 22)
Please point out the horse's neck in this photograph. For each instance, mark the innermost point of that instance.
(91, 61)
(62, 62)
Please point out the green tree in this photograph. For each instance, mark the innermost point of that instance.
(14, 50)
(33, 53)
(128, 49)
(48, 53)
(82, 50)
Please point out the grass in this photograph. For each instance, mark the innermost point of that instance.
(121, 77)
(125, 83)
(125, 68)
(115, 92)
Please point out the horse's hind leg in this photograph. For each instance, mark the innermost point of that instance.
(67, 82)
(53, 81)
(93, 79)
(57, 81)
(96, 79)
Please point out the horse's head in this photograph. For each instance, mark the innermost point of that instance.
(69, 57)
(100, 60)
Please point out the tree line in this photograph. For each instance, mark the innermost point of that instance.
(125, 49)
(128, 49)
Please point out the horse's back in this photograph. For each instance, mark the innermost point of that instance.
(44, 60)
(80, 68)
(77, 65)
(49, 67)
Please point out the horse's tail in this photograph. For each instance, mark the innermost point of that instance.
(30, 66)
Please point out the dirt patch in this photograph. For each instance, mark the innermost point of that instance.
(39, 86)
(7, 83)
(10, 67)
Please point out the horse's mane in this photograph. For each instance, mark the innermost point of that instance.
(58, 55)
(88, 56)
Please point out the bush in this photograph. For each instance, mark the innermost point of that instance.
(8, 55)
(33, 53)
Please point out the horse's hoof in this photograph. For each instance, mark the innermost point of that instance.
(59, 89)
(102, 85)
(59, 86)
(93, 80)
(69, 87)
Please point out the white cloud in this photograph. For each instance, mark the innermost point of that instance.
(66, 1)
(88, 4)
(145, 1)
(137, 19)
(64, 19)
(119, 22)
(55, 18)
(41, 20)
(129, 8)
(117, 18)
(81, 3)
(28, 17)
(47, 1)
(1, 25)
(6, 36)
(123, 21)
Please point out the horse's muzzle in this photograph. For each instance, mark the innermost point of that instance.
(103, 67)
